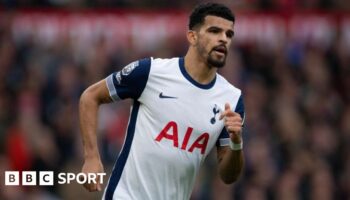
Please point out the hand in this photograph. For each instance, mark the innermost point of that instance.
(93, 165)
(233, 124)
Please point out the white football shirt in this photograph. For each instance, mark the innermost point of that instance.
(174, 124)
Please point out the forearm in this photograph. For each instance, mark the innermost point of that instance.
(88, 110)
(231, 165)
(89, 103)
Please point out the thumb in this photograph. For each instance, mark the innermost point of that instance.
(98, 184)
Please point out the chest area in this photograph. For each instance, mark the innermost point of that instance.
(176, 100)
(184, 117)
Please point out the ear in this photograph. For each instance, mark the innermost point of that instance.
(192, 37)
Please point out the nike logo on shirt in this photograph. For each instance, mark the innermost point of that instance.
(166, 97)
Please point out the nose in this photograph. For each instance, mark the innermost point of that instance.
(223, 38)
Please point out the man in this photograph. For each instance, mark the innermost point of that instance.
(181, 109)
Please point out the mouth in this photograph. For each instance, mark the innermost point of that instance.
(220, 50)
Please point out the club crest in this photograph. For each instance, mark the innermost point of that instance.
(216, 110)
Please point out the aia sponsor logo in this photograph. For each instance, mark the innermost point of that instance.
(170, 132)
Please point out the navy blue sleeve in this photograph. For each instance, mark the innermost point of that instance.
(130, 81)
(223, 139)
(240, 109)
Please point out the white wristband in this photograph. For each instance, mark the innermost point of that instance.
(236, 147)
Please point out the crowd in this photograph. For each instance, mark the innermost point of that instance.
(276, 5)
(296, 97)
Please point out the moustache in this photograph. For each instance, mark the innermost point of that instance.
(221, 49)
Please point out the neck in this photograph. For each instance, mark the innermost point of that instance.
(198, 68)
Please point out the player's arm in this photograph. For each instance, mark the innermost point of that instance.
(90, 100)
(127, 83)
(231, 160)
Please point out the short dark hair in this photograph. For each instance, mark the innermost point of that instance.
(202, 10)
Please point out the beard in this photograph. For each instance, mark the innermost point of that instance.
(212, 61)
(210, 57)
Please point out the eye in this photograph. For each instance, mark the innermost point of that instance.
(229, 34)
(214, 30)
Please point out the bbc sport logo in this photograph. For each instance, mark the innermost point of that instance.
(47, 178)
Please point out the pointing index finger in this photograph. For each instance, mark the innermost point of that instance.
(227, 107)
(226, 111)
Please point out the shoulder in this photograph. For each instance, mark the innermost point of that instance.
(164, 61)
(233, 94)
(227, 86)
(164, 66)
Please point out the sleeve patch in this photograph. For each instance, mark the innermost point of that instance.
(118, 77)
(129, 68)
(130, 81)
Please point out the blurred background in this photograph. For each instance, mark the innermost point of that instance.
(291, 58)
